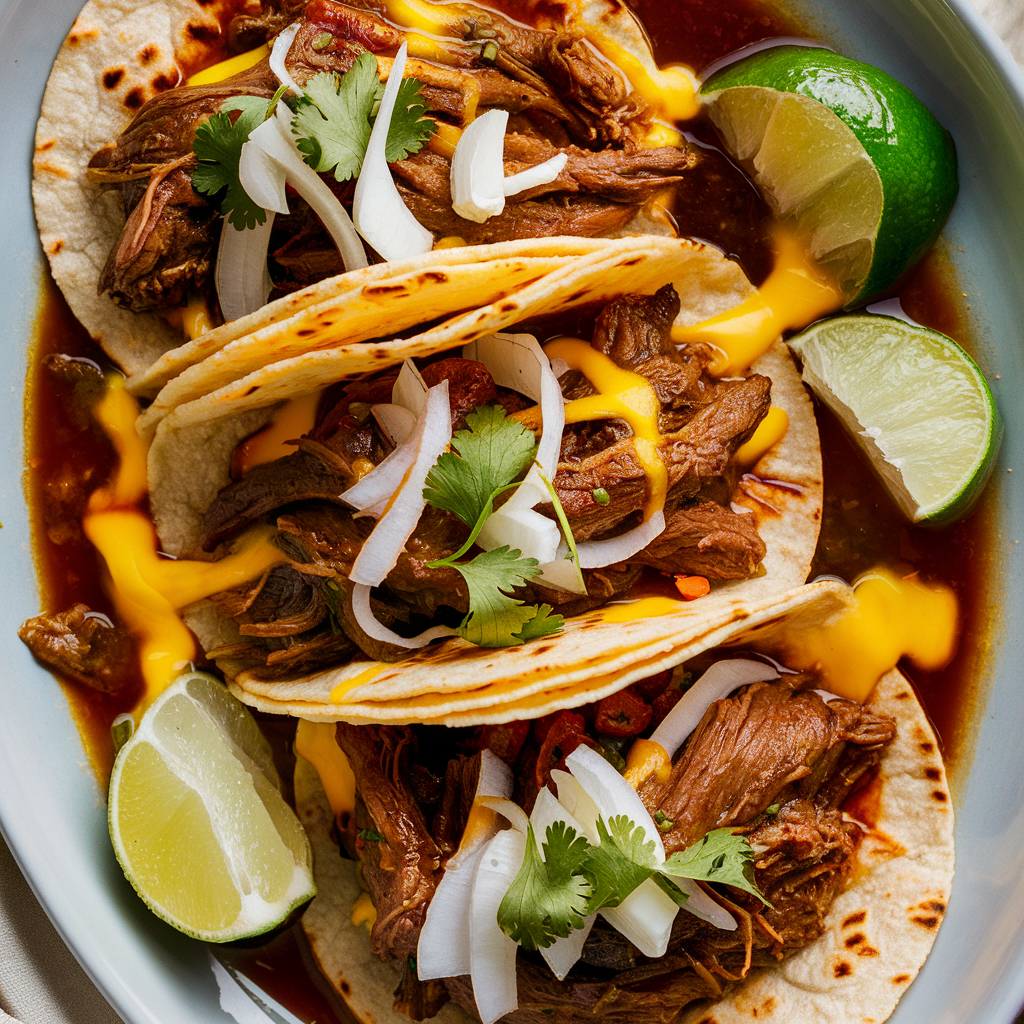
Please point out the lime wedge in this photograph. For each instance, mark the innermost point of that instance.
(848, 153)
(197, 819)
(916, 404)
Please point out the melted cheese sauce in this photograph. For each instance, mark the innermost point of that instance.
(622, 395)
(769, 432)
(343, 689)
(316, 743)
(795, 294)
(647, 758)
(292, 420)
(232, 66)
(148, 589)
(892, 618)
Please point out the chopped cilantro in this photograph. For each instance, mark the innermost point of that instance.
(368, 835)
(601, 496)
(335, 116)
(772, 809)
(663, 821)
(218, 147)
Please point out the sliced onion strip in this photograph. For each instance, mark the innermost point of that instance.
(380, 551)
(397, 422)
(719, 681)
(263, 178)
(379, 212)
(478, 168)
(241, 276)
(278, 53)
(373, 627)
(597, 553)
(443, 950)
(538, 174)
(274, 137)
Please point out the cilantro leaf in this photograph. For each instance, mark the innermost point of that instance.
(494, 618)
(218, 147)
(548, 897)
(332, 124)
(409, 129)
(623, 860)
(492, 451)
(544, 623)
(720, 856)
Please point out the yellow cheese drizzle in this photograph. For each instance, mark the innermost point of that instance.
(795, 294)
(342, 690)
(892, 618)
(769, 432)
(316, 743)
(147, 589)
(363, 911)
(645, 608)
(231, 66)
(292, 420)
(622, 395)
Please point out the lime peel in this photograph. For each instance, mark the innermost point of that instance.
(915, 402)
(197, 819)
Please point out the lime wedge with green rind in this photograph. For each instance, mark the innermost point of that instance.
(916, 404)
(852, 156)
(197, 819)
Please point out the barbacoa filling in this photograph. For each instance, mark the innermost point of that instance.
(298, 616)
(562, 97)
(773, 761)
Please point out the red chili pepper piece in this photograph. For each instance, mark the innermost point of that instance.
(505, 741)
(622, 714)
(652, 686)
(663, 704)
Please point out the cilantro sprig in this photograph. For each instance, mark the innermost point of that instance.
(335, 116)
(332, 125)
(575, 878)
(487, 457)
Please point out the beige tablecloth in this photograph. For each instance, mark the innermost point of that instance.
(40, 981)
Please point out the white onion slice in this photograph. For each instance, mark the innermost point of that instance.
(373, 627)
(241, 276)
(563, 953)
(380, 214)
(492, 952)
(443, 950)
(274, 137)
(282, 44)
(539, 174)
(396, 421)
(826, 696)
(410, 390)
(596, 553)
(372, 492)
(478, 168)
(533, 535)
(263, 178)
(380, 551)
(701, 905)
(719, 681)
(510, 810)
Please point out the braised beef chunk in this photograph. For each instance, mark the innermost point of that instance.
(82, 645)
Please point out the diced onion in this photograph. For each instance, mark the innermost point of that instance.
(492, 952)
(376, 629)
(479, 185)
(396, 421)
(380, 552)
(478, 168)
(282, 44)
(379, 212)
(274, 137)
(443, 950)
(596, 553)
(525, 529)
(241, 276)
(719, 681)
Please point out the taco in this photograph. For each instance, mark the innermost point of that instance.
(133, 244)
(845, 806)
(296, 641)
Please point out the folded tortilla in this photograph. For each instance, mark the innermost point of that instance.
(879, 931)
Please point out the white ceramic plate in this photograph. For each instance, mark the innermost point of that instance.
(51, 810)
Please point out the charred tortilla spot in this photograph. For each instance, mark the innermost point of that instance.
(163, 82)
(386, 290)
(854, 940)
(148, 54)
(937, 905)
(940, 796)
(202, 33)
(437, 276)
(933, 773)
(112, 78)
(343, 984)
(80, 37)
(842, 969)
(931, 923)
(250, 391)
(508, 307)
(867, 951)
(56, 247)
(306, 332)
(633, 262)
(901, 979)
(44, 146)
(903, 695)
(135, 99)
(926, 747)
(859, 918)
